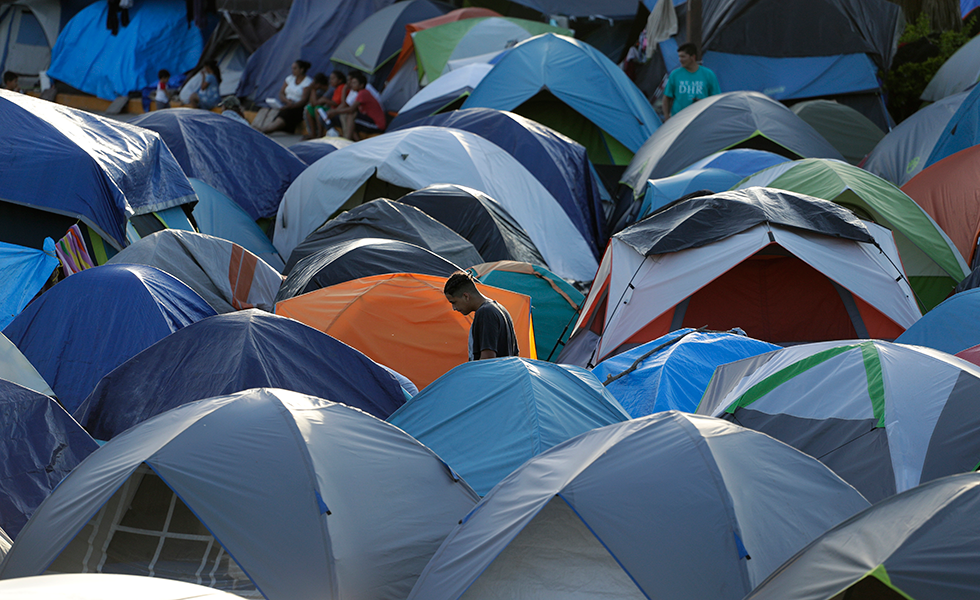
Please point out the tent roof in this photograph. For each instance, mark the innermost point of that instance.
(440, 95)
(847, 130)
(949, 327)
(15, 367)
(741, 161)
(957, 74)
(313, 150)
(218, 215)
(105, 586)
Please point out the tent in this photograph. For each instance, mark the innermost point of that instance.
(263, 350)
(313, 150)
(25, 271)
(224, 274)
(414, 158)
(446, 94)
(723, 122)
(554, 302)
(28, 30)
(559, 163)
(930, 258)
(95, 320)
(274, 494)
(847, 130)
(962, 130)
(237, 160)
(950, 327)
(661, 192)
(15, 367)
(672, 371)
(913, 545)
(740, 161)
(40, 444)
(755, 258)
(102, 586)
(89, 57)
(487, 417)
(958, 74)
(571, 87)
(108, 173)
(478, 218)
(219, 216)
(885, 417)
(345, 260)
(667, 506)
(402, 320)
(383, 218)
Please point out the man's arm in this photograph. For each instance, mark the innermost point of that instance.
(485, 354)
(668, 102)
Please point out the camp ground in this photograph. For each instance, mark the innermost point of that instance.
(423, 299)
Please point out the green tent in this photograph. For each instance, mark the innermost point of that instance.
(932, 262)
(853, 134)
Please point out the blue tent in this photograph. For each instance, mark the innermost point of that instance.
(89, 57)
(951, 327)
(673, 371)
(235, 159)
(25, 271)
(559, 163)
(230, 353)
(559, 81)
(486, 418)
(663, 191)
(39, 444)
(961, 132)
(312, 31)
(741, 161)
(219, 215)
(311, 151)
(73, 163)
(95, 320)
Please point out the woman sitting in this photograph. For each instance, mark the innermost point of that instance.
(293, 97)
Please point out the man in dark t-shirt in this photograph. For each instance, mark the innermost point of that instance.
(492, 333)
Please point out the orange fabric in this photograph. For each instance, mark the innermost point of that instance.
(660, 326)
(879, 326)
(402, 320)
(408, 46)
(241, 272)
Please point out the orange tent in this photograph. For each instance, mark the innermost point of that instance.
(408, 46)
(403, 321)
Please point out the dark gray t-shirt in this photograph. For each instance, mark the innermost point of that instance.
(492, 329)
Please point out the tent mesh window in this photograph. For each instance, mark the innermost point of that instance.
(145, 529)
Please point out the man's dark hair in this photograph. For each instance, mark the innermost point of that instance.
(340, 75)
(321, 79)
(690, 49)
(358, 76)
(163, 74)
(303, 64)
(9, 76)
(459, 282)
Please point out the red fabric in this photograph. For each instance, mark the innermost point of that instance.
(879, 326)
(408, 46)
(970, 354)
(368, 105)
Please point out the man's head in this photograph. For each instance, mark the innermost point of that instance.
(10, 80)
(358, 81)
(337, 79)
(461, 292)
(687, 54)
(321, 81)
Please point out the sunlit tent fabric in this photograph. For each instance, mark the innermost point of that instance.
(107, 171)
(313, 150)
(913, 545)
(294, 516)
(853, 134)
(950, 327)
(218, 215)
(672, 371)
(694, 498)
(962, 130)
(25, 271)
(723, 122)
(554, 302)
(39, 445)
(383, 218)
(403, 321)
(488, 417)
(345, 260)
(239, 161)
(661, 192)
(95, 320)
(561, 164)
(443, 95)
(478, 218)
(885, 417)
(5, 544)
(414, 158)
(224, 274)
(103, 586)
(957, 74)
(89, 57)
(740, 161)
(573, 88)
(262, 350)
(929, 257)
(15, 367)
(757, 259)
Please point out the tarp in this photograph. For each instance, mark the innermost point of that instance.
(220, 216)
(89, 57)
(15, 367)
(95, 320)
(25, 271)
(108, 171)
(694, 498)
(853, 134)
(106, 586)
(957, 74)
(261, 350)
(281, 492)
(950, 327)
(486, 418)
(313, 150)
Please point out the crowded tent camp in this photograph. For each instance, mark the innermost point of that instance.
(490, 299)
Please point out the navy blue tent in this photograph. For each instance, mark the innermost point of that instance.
(92, 322)
(561, 164)
(39, 444)
(230, 353)
(238, 161)
(311, 151)
(961, 132)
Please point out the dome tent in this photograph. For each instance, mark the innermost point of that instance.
(950, 327)
(102, 586)
(15, 367)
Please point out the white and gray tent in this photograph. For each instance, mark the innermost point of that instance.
(668, 506)
(266, 493)
(102, 586)
(28, 30)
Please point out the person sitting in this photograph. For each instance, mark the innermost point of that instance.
(334, 97)
(11, 82)
(209, 95)
(293, 98)
(316, 95)
(232, 108)
(363, 106)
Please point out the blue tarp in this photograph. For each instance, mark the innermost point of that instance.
(230, 353)
(25, 271)
(559, 163)
(235, 159)
(39, 444)
(674, 377)
(961, 132)
(486, 418)
(218, 215)
(95, 320)
(77, 164)
(951, 327)
(741, 161)
(785, 78)
(88, 57)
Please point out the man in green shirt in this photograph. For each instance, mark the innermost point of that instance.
(688, 83)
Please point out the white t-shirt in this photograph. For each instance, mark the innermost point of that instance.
(352, 95)
(294, 91)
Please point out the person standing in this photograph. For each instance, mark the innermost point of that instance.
(492, 332)
(688, 83)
